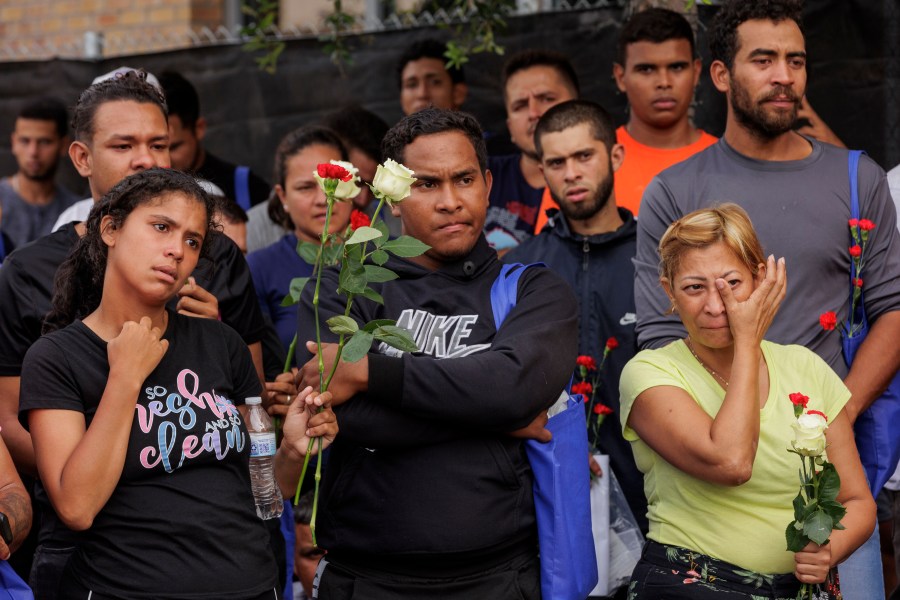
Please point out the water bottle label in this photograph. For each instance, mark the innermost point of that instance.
(262, 444)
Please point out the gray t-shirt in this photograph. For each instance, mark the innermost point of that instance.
(800, 211)
(893, 178)
(24, 222)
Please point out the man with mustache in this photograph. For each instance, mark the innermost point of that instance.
(797, 193)
(590, 242)
(533, 81)
(30, 199)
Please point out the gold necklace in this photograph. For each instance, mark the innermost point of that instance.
(716, 376)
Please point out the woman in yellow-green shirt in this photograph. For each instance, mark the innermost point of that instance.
(709, 419)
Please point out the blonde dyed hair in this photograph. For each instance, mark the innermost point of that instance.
(727, 223)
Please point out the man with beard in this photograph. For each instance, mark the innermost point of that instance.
(30, 200)
(533, 81)
(590, 242)
(797, 193)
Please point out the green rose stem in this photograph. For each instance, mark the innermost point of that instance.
(324, 382)
(330, 186)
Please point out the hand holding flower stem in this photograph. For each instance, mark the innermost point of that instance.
(816, 509)
(392, 184)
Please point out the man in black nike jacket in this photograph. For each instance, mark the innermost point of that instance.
(428, 492)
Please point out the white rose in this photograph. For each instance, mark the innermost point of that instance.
(392, 181)
(345, 190)
(809, 434)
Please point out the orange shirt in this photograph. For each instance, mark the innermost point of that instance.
(642, 163)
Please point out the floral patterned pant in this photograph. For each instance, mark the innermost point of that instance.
(673, 573)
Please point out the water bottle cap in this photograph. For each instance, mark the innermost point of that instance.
(253, 400)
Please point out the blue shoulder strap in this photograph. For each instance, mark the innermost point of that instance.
(242, 187)
(853, 166)
(2, 248)
(504, 291)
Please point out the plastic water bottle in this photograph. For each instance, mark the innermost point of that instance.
(262, 455)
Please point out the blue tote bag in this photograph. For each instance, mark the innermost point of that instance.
(878, 428)
(561, 481)
(11, 585)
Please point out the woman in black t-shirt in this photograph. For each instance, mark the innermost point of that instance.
(132, 410)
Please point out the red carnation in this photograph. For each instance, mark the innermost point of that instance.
(853, 222)
(858, 282)
(866, 225)
(799, 399)
(612, 343)
(855, 251)
(587, 362)
(584, 388)
(828, 320)
(330, 171)
(359, 219)
(602, 409)
(817, 412)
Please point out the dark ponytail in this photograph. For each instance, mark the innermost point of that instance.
(78, 287)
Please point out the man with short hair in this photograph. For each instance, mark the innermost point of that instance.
(797, 193)
(427, 491)
(425, 79)
(590, 242)
(657, 68)
(31, 200)
(533, 81)
(120, 128)
(186, 132)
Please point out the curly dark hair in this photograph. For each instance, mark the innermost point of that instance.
(290, 145)
(655, 25)
(431, 121)
(130, 85)
(78, 285)
(723, 41)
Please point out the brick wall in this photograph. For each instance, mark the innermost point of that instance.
(48, 28)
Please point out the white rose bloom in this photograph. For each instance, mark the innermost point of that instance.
(392, 181)
(345, 190)
(809, 434)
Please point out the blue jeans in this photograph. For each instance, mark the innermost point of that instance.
(861, 575)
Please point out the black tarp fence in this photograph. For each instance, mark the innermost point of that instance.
(853, 79)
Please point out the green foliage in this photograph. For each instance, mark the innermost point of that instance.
(297, 285)
(358, 346)
(342, 325)
(816, 509)
(405, 246)
(264, 15)
(339, 22)
(479, 33)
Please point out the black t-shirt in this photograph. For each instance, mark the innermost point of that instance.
(221, 173)
(181, 522)
(26, 288)
(225, 274)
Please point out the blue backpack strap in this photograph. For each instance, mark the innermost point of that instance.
(242, 187)
(2, 248)
(505, 290)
